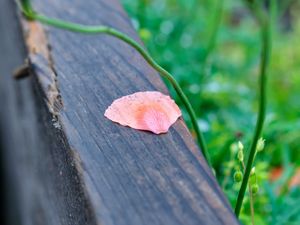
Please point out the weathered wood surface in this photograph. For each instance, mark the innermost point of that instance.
(41, 183)
(79, 167)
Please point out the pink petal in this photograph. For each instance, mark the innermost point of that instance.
(149, 110)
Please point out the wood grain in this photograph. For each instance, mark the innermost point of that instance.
(100, 172)
(40, 182)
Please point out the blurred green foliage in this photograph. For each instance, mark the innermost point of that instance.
(218, 69)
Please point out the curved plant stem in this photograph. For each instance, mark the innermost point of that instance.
(26, 6)
(250, 194)
(30, 14)
(266, 49)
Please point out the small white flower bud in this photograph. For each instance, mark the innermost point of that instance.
(240, 155)
(260, 145)
(252, 171)
(241, 146)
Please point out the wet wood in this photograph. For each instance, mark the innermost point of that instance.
(81, 168)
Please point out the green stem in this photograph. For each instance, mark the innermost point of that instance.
(26, 8)
(108, 30)
(266, 49)
(250, 193)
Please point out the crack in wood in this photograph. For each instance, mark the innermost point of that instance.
(39, 54)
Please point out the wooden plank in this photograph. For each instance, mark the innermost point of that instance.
(99, 172)
(41, 184)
